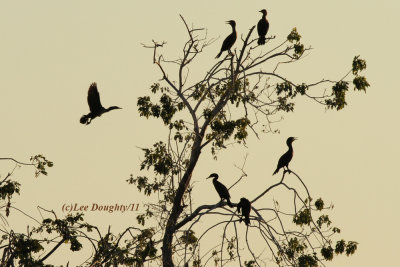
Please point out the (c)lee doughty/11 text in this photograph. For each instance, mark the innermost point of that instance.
(75, 207)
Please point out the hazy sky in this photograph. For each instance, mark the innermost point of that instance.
(50, 52)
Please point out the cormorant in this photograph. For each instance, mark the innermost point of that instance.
(221, 189)
(96, 109)
(287, 157)
(262, 27)
(230, 40)
(245, 205)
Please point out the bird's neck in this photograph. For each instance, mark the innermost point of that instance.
(233, 28)
(91, 115)
(111, 108)
(215, 181)
(290, 147)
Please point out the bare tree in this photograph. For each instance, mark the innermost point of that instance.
(242, 92)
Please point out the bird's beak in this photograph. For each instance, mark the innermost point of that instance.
(208, 177)
(260, 11)
(295, 138)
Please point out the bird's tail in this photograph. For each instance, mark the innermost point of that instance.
(261, 41)
(219, 55)
(247, 220)
(276, 171)
(229, 203)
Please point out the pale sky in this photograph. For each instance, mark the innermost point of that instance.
(50, 52)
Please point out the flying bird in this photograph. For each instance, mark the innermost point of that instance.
(96, 109)
(245, 205)
(262, 27)
(230, 40)
(221, 189)
(287, 157)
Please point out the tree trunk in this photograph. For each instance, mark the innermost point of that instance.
(176, 207)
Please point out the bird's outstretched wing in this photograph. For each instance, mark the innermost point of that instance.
(94, 99)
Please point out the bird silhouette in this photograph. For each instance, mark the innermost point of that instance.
(230, 40)
(262, 27)
(221, 189)
(287, 157)
(96, 109)
(245, 205)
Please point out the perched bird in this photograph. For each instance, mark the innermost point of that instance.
(230, 40)
(221, 189)
(287, 157)
(96, 109)
(262, 27)
(245, 205)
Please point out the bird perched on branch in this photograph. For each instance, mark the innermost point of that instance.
(230, 40)
(262, 27)
(287, 157)
(245, 205)
(221, 189)
(96, 109)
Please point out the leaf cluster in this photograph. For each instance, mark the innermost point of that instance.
(24, 248)
(303, 217)
(222, 130)
(189, 238)
(294, 37)
(158, 158)
(142, 183)
(40, 163)
(339, 90)
(349, 248)
(293, 248)
(8, 189)
(165, 109)
(360, 82)
(67, 228)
